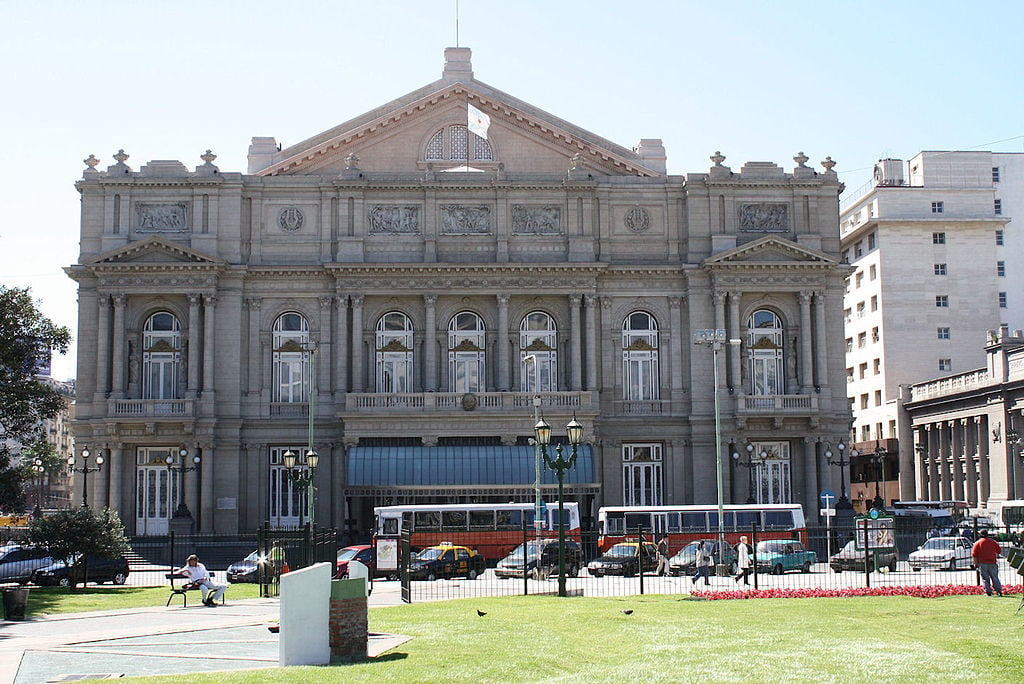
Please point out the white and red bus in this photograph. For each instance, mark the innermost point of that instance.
(493, 530)
(684, 524)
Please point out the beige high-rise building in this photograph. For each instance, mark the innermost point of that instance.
(394, 293)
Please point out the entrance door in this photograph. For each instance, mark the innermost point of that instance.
(155, 489)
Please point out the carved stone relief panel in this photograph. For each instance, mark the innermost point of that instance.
(161, 218)
(461, 220)
(637, 219)
(536, 220)
(290, 219)
(764, 217)
(393, 219)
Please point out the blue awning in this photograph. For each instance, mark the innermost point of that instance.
(458, 466)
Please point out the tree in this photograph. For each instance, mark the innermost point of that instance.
(26, 338)
(74, 532)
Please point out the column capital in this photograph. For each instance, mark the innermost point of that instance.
(326, 302)
(357, 299)
(503, 299)
(718, 297)
(575, 299)
(194, 298)
(341, 300)
(589, 300)
(119, 299)
(430, 299)
(210, 300)
(805, 296)
(253, 303)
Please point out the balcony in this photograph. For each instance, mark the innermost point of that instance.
(487, 402)
(773, 404)
(151, 408)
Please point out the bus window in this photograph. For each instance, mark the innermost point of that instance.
(730, 521)
(389, 526)
(453, 520)
(672, 522)
(481, 520)
(504, 520)
(427, 521)
(694, 522)
(1013, 515)
(778, 520)
(712, 520)
(615, 523)
(746, 519)
(635, 521)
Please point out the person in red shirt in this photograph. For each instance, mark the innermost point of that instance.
(985, 553)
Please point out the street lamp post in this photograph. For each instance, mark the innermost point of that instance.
(38, 470)
(715, 338)
(182, 510)
(85, 469)
(559, 464)
(538, 502)
(311, 456)
(302, 479)
(842, 463)
(878, 458)
(750, 464)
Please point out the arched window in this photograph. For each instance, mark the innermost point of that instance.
(161, 356)
(457, 145)
(394, 347)
(466, 353)
(765, 353)
(640, 357)
(538, 353)
(291, 359)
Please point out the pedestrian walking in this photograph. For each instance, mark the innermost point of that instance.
(702, 564)
(985, 553)
(663, 555)
(744, 563)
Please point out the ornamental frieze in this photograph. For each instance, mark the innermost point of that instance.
(764, 217)
(461, 220)
(394, 219)
(161, 218)
(536, 220)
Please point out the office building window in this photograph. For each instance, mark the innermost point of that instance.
(878, 366)
(872, 272)
(940, 269)
(863, 401)
(860, 309)
(878, 397)
(938, 238)
(945, 364)
(849, 374)
(995, 174)
(938, 207)
(874, 334)
(942, 301)
(849, 344)
(1001, 269)
(997, 206)
(942, 333)
(871, 240)
(874, 302)
(863, 370)
(858, 249)
(858, 279)
(1002, 300)
(862, 340)
(999, 238)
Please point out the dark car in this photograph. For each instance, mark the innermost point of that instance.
(363, 553)
(246, 570)
(626, 559)
(17, 563)
(851, 558)
(544, 550)
(685, 562)
(446, 560)
(89, 569)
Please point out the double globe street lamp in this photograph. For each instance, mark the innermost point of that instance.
(182, 510)
(303, 478)
(85, 469)
(751, 463)
(559, 464)
(842, 463)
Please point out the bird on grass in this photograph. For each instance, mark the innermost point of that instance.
(627, 611)
(480, 612)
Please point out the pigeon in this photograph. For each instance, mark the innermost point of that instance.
(480, 612)
(627, 611)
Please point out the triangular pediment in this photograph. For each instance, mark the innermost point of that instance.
(518, 131)
(770, 250)
(156, 251)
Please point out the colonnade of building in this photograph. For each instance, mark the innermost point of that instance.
(952, 460)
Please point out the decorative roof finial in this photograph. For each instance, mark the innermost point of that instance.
(208, 157)
(801, 159)
(352, 161)
(828, 164)
(92, 162)
(120, 157)
(717, 158)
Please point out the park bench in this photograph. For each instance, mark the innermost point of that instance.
(182, 589)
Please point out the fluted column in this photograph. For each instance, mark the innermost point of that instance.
(205, 479)
(821, 358)
(921, 465)
(590, 322)
(734, 352)
(575, 344)
(193, 346)
(339, 359)
(719, 301)
(934, 457)
(210, 309)
(945, 478)
(119, 360)
(956, 464)
(971, 461)
(99, 496)
(806, 357)
(254, 360)
(611, 378)
(984, 472)
(323, 361)
(502, 339)
(102, 347)
(676, 338)
(430, 343)
(358, 379)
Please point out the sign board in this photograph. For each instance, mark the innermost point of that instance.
(387, 554)
(879, 534)
(827, 512)
(827, 496)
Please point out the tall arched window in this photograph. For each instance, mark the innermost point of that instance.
(466, 353)
(394, 353)
(291, 359)
(640, 357)
(765, 353)
(457, 145)
(161, 356)
(538, 353)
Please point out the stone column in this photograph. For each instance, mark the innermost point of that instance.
(192, 383)
(430, 343)
(676, 340)
(119, 360)
(210, 309)
(590, 322)
(575, 344)
(733, 352)
(117, 468)
(957, 462)
(502, 341)
(255, 359)
(971, 461)
(934, 458)
(719, 301)
(921, 465)
(810, 498)
(821, 358)
(358, 379)
(806, 357)
(984, 473)
(945, 456)
(610, 377)
(102, 348)
(99, 496)
(339, 360)
(323, 366)
(205, 478)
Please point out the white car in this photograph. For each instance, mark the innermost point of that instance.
(952, 553)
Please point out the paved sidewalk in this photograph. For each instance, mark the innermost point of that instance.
(150, 641)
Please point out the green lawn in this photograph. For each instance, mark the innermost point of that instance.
(54, 600)
(668, 639)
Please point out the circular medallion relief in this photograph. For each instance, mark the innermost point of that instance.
(469, 402)
(290, 219)
(638, 219)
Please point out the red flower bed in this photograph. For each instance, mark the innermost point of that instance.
(916, 591)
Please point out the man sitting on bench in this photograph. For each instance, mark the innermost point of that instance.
(200, 578)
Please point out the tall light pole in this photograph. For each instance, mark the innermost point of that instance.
(538, 502)
(715, 338)
(311, 456)
(39, 471)
(878, 458)
(85, 469)
(841, 462)
(302, 479)
(574, 429)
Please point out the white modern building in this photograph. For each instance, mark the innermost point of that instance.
(937, 263)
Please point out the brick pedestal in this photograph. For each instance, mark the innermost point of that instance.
(348, 620)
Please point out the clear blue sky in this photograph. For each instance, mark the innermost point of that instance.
(760, 81)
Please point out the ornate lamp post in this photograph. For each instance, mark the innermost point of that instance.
(750, 464)
(38, 470)
(85, 469)
(303, 479)
(559, 464)
(878, 458)
(842, 463)
(182, 510)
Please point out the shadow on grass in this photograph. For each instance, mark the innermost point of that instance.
(55, 600)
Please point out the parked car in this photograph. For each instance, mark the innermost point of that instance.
(245, 570)
(363, 553)
(446, 560)
(782, 555)
(949, 553)
(17, 562)
(91, 569)
(851, 558)
(544, 550)
(685, 562)
(626, 559)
